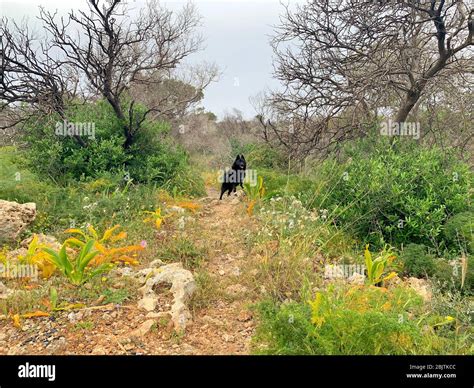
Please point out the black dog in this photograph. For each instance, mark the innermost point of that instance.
(235, 176)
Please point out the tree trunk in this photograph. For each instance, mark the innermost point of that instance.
(410, 101)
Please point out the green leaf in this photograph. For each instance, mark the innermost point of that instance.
(53, 297)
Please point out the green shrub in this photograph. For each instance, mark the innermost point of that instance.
(77, 269)
(448, 277)
(397, 194)
(459, 231)
(279, 183)
(153, 157)
(104, 201)
(354, 321)
(261, 155)
(417, 261)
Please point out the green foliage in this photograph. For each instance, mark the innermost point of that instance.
(153, 157)
(417, 261)
(354, 321)
(76, 270)
(186, 182)
(448, 276)
(102, 202)
(53, 298)
(459, 231)
(278, 183)
(63, 158)
(116, 296)
(261, 155)
(376, 267)
(254, 192)
(396, 194)
(185, 251)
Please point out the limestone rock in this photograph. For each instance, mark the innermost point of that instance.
(14, 219)
(48, 240)
(356, 279)
(156, 263)
(421, 287)
(143, 329)
(4, 291)
(148, 303)
(158, 315)
(183, 286)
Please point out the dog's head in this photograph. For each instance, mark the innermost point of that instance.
(239, 163)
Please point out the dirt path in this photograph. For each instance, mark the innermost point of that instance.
(226, 326)
(222, 321)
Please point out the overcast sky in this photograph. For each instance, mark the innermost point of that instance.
(237, 40)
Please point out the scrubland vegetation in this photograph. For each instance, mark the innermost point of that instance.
(398, 206)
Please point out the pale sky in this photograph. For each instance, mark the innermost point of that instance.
(237, 40)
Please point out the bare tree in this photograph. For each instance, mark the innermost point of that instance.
(111, 52)
(31, 80)
(341, 60)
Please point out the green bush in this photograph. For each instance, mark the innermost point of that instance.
(279, 183)
(417, 261)
(354, 321)
(448, 277)
(153, 157)
(261, 155)
(396, 194)
(459, 231)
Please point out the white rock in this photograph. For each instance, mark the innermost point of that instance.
(15, 218)
(4, 291)
(421, 287)
(72, 317)
(356, 278)
(157, 315)
(143, 329)
(148, 303)
(156, 263)
(182, 287)
(46, 239)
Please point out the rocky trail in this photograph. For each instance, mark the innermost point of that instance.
(222, 325)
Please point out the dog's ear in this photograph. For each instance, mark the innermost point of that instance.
(242, 157)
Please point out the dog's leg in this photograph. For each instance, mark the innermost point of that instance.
(222, 193)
